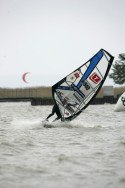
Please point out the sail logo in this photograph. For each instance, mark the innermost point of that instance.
(73, 76)
(76, 75)
(95, 78)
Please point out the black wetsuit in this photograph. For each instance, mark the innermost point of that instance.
(55, 109)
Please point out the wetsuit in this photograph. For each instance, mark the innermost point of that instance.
(55, 109)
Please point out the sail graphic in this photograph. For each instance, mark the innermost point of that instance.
(74, 93)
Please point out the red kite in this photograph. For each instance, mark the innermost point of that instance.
(24, 77)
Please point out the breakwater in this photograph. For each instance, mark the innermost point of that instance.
(43, 101)
(49, 101)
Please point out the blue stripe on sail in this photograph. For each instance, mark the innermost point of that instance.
(100, 54)
(94, 61)
(64, 87)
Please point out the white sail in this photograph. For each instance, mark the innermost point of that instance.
(120, 105)
(73, 93)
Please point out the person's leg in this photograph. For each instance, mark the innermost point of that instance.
(50, 114)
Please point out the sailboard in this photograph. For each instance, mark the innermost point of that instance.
(120, 105)
(74, 93)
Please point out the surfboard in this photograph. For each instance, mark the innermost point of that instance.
(75, 92)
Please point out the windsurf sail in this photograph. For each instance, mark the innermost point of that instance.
(74, 93)
(120, 105)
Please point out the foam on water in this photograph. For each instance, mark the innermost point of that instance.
(25, 123)
(39, 123)
(35, 123)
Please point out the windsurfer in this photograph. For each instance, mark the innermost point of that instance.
(55, 109)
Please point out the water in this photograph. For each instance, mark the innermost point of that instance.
(87, 152)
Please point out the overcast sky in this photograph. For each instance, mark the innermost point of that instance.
(51, 38)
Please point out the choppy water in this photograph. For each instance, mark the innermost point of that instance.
(87, 152)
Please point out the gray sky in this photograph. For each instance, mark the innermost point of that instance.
(51, 38)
